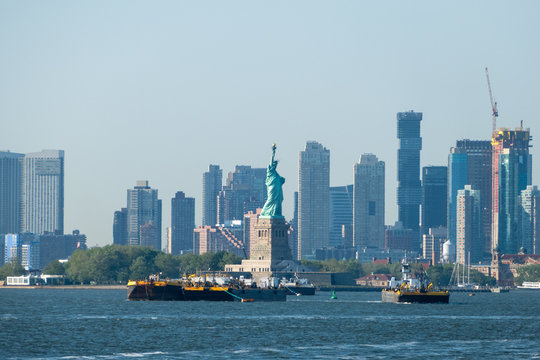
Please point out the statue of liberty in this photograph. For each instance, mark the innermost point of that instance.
(274, 182)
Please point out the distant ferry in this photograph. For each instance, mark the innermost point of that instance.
(531, 285)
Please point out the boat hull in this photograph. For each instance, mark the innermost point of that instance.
(415, 296)
(173, 292)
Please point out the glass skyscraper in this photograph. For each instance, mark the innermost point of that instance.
(11, 183)
(512, 172)
(212, 180)
(530, 219)
(341, 212)
(409, 192)
(434, 195)
(469, 163)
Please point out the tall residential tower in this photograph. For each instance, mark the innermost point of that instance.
(43, 192)
(144, 216)
(313, 199)
(182, 223)
(368, 213)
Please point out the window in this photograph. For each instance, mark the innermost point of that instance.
(371, 208)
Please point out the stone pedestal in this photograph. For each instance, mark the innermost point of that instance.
(269, 247)
(271, 241)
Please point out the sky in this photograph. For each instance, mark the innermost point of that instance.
(158, 90)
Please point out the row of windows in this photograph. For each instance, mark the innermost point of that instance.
(277, 233)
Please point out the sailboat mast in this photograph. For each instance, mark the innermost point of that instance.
(469, 270)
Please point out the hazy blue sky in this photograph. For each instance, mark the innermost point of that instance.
(158, 90)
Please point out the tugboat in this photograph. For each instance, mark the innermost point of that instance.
(413, 290)
(212, 288)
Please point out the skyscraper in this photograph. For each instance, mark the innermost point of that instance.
(11, 182)
(120, 236)
(530, 219)
(144, 209)
(182, 223)
(469, 162)
(244, 191)
(512, 172)
(434, 195)
(43, 193)
(368, 223)
(341, 212)
(293, 232)
(313, 199)
(212, 180)
(468, 225)
(409, 192)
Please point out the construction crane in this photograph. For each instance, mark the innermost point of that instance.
(495, 112)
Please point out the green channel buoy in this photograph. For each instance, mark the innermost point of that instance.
(334, 295)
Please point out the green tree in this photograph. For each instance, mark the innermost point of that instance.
(12, 268)
(528, 273)
(440, 274)
(142, 268)
(168, 265)
(78, 268)
(54, 268)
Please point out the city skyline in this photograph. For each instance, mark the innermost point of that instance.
(98, 87)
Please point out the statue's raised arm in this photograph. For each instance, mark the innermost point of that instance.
(274, 183)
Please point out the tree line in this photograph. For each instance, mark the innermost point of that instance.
(113, 264)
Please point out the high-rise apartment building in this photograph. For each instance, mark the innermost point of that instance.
(469, 162)
(530, 219)
(468, 226)
(120, 236)
(409, 192)
(144, 210)
(182, 223)
(434, 195)
(512, 172)
(368, 223)
(11, 183)
(244, 191)
(43, 192)
(341, 212)
(212, 181)
(313, 199)
(432, 244)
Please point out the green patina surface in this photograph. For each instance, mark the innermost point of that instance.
(274, 184)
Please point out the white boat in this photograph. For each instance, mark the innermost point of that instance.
(531, 285)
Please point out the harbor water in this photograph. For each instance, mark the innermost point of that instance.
(102, 324)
